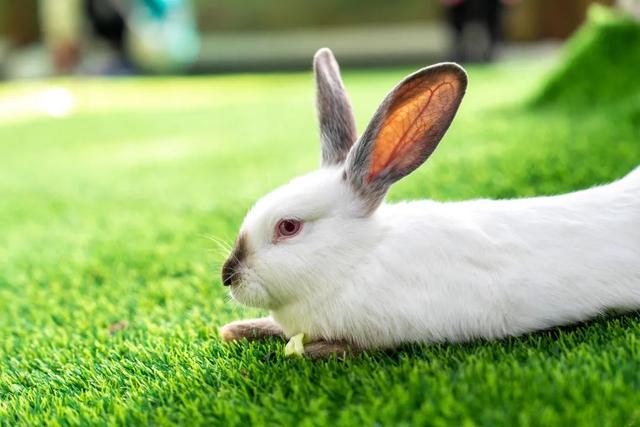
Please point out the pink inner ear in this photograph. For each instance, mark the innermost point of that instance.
(419, 114)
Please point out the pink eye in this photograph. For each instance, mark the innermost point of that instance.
(288, 227)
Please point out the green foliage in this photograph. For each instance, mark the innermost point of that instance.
(601, 64)
(104, 218)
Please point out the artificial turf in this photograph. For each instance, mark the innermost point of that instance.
(110, 296)
(601, 64)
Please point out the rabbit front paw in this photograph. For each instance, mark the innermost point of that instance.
(324, 349)
(251, 329)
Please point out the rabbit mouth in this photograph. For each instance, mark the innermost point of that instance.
(248, 289)
(250, 293)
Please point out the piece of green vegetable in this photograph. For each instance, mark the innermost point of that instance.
(295, 346)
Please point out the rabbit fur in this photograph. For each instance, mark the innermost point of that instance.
(376, 275)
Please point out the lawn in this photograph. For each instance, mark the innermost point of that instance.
(110, 293)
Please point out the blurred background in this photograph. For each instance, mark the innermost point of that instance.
(41, 38)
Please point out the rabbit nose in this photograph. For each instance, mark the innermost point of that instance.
(231, 267)
(229, 271)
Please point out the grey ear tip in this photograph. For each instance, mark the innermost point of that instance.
(444, 67)
(456, 69)
(323, 52)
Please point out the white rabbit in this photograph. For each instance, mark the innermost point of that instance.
(327, 257)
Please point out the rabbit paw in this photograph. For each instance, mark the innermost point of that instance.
(324, 349)
(251, 329)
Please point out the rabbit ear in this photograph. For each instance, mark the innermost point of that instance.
(405, 130)
(337, 124)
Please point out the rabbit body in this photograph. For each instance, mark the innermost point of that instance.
(482, 269)
(327, 257)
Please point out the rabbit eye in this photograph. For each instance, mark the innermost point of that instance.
(288, 227)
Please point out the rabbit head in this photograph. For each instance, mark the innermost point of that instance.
(300, 242)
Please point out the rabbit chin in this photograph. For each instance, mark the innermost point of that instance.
(250, 293)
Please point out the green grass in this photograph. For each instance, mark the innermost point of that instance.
(104, 217)
(601, 64)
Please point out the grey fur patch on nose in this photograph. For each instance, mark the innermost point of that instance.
(231, 267)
